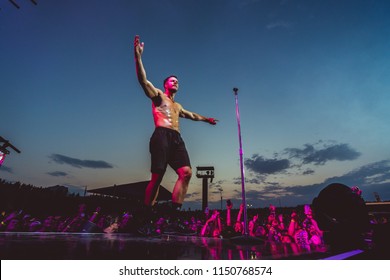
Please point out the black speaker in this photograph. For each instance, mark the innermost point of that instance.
(342, 215)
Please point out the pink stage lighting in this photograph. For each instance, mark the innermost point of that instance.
(2, 157)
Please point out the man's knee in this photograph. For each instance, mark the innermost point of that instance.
(185, 173)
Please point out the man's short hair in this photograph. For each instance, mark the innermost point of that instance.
(167, 78)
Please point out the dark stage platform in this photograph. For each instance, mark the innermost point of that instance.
(102, 246)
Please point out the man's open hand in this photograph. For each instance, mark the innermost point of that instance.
(212, 121)
(138, 46)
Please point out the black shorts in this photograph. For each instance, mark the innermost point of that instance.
(167, 147)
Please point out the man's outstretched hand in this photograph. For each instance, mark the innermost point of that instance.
(212, 121)
(138, 46)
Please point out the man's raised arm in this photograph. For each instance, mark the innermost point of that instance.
(147, 86)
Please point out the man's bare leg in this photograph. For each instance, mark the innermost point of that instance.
(181, 185)
(178, 194)
(152, 189)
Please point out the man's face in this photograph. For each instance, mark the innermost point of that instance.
(172, 84)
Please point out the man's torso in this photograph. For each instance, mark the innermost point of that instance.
(166, 112)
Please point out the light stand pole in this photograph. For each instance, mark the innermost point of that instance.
(245, 238)
(241, 162)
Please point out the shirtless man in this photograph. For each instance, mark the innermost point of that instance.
(166, 145)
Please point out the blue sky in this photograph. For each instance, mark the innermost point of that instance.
(313, 93)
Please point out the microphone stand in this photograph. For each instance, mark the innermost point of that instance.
(245, 238)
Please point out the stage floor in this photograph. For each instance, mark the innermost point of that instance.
(102, 246)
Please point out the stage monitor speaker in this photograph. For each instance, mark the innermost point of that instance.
(342, 215)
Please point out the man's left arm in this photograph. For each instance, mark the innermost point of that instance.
(196, 117)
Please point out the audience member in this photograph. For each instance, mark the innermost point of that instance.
(212, 227)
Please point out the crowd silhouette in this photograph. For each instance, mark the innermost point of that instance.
(26, 208)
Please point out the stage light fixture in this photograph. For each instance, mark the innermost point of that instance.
(2, 157)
